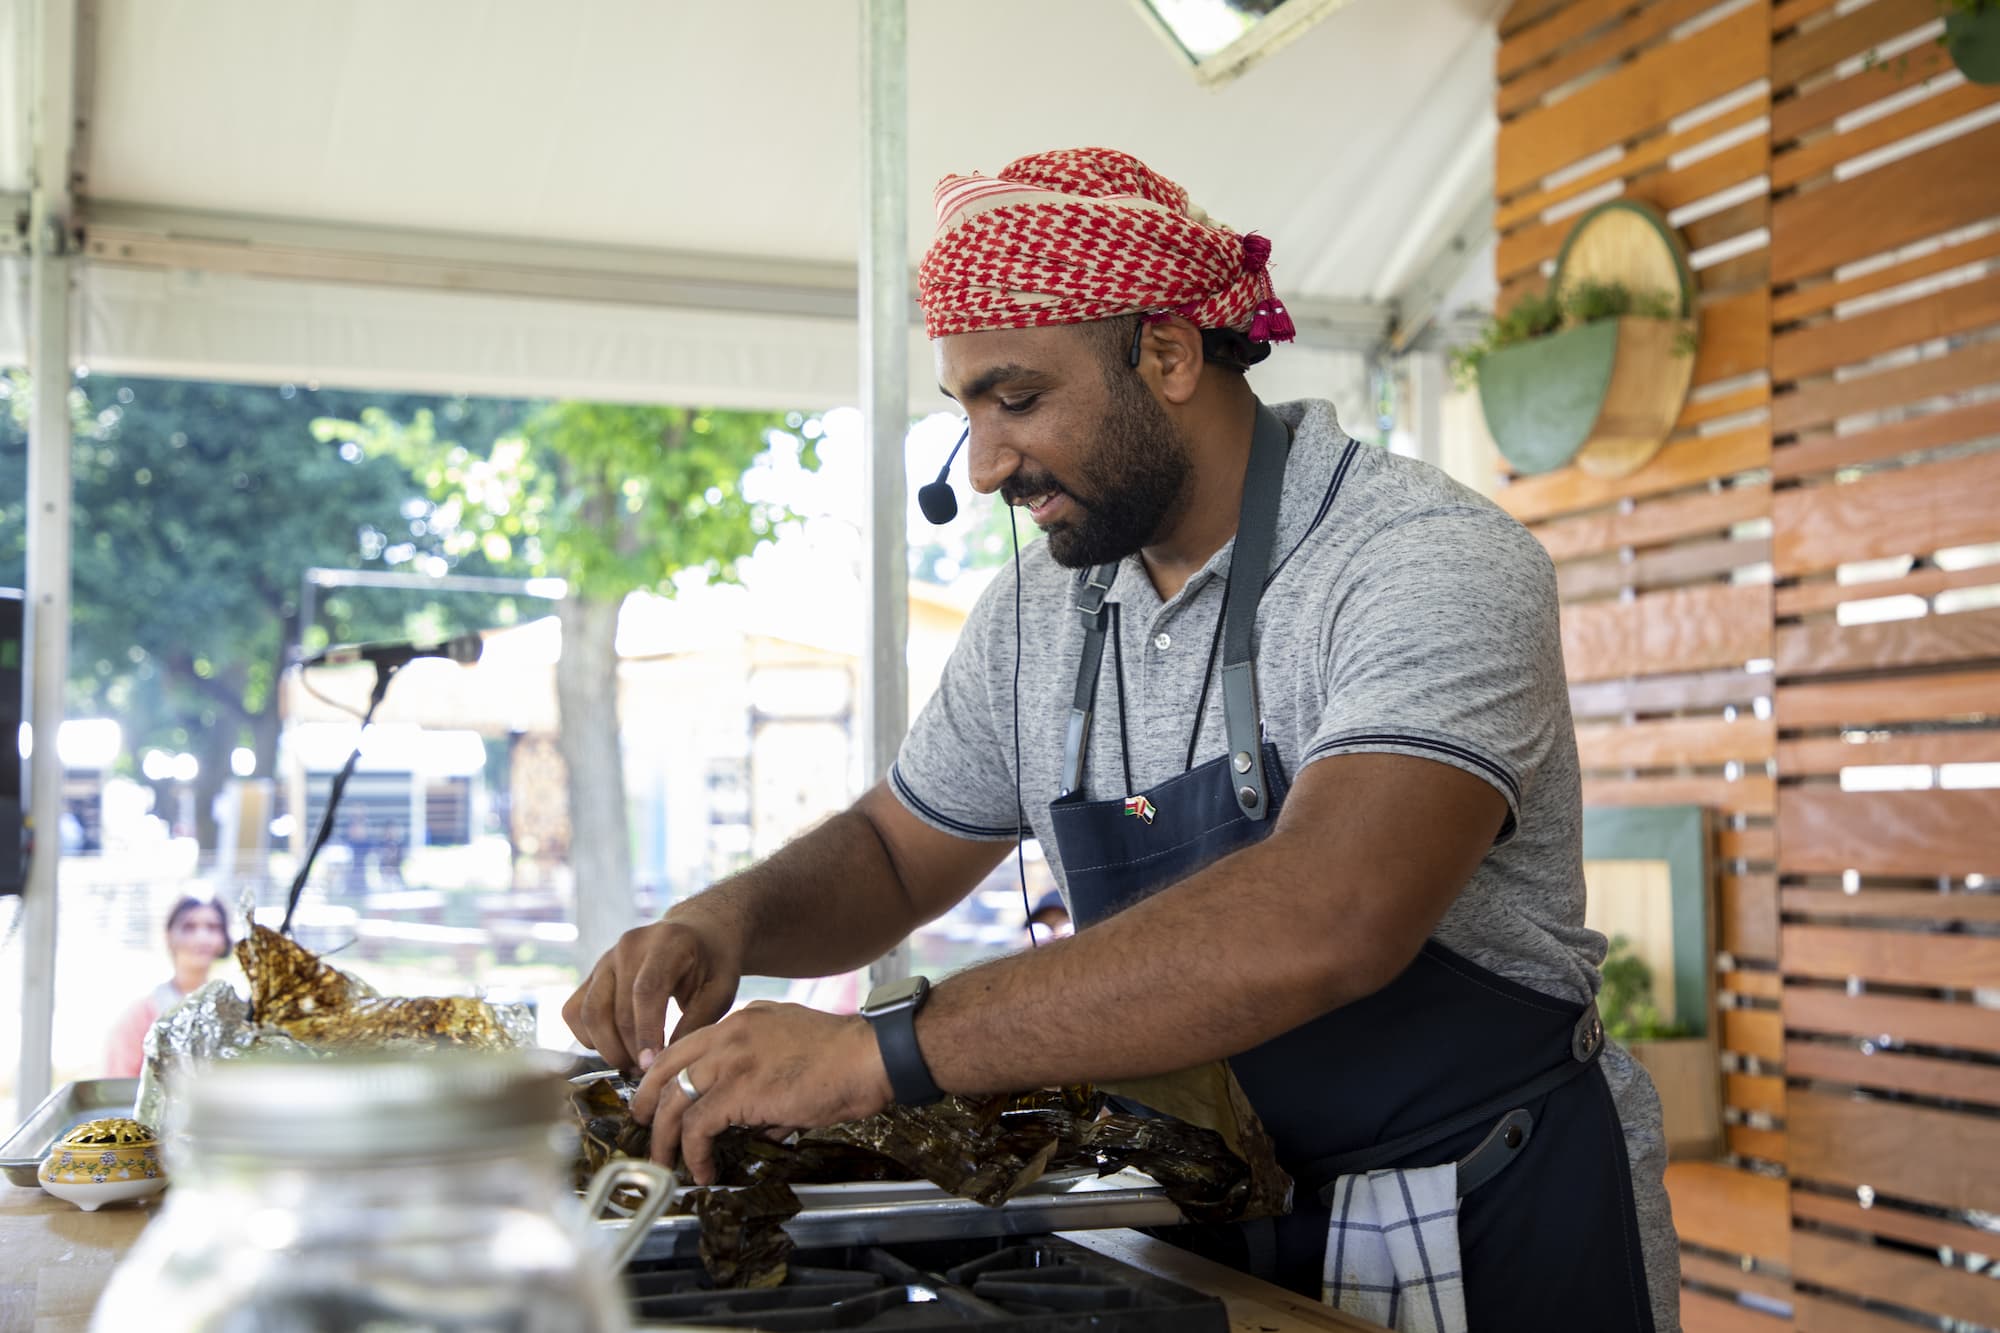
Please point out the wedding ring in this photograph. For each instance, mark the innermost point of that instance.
(687, 1087)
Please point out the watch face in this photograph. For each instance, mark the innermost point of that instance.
(891, 994)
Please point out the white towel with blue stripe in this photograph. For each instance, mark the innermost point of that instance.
(1392, 1250)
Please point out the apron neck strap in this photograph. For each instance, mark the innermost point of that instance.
(1249, 563)
(1256, 535)
(1083, 700)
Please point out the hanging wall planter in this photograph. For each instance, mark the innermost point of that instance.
(1604, 388)
(1972, 35)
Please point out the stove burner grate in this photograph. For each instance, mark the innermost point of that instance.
(1040, 1284)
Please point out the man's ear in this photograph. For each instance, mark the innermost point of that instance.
(1170, 358)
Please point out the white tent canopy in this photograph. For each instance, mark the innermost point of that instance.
(640, 200)
(652, 200)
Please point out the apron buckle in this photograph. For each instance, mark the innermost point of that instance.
(1092, 589)
(1500, 1147)
(1587, 1038)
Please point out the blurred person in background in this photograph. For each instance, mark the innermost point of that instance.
(197, 937)
(1050, 919)
(359, 841)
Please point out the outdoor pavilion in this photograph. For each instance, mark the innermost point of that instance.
(637, 201)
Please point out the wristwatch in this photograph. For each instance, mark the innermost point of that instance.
(891, 1009)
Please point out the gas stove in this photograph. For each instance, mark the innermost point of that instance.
(1032, 1284)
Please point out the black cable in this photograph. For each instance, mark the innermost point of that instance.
(383, 674)
(1207, 675)
(1118, 663)
(1020, 808)
(305, 683)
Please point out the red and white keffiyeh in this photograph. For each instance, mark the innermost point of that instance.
(1083, 234)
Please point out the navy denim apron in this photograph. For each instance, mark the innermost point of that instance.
(1448, 1062)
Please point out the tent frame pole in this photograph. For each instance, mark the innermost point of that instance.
(885, 395)
(53, 115)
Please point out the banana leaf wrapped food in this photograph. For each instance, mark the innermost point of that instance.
(294, 990)
(743, 1238)
(983, 1148)
(301, 1005)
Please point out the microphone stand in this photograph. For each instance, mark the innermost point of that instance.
(383, 674)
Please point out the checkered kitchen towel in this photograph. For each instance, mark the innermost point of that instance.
(1392, 1250)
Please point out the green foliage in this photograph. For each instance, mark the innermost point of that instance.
(1972, 6)
(613, 498)
(198, 506)
(1626, 998)
(1538, 314)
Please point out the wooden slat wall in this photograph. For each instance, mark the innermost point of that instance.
(1666, 575)
(1792, 615)
(1885, 263)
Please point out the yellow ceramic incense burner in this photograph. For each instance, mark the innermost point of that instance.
(104, 1161)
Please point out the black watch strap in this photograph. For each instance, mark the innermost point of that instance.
(909, 1077)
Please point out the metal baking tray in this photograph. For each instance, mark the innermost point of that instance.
(60, 1112)
(1115, 1201)
(1122, 1200)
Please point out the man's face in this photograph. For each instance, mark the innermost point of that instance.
(1062, 427)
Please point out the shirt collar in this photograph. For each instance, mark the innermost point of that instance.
(1318, 445)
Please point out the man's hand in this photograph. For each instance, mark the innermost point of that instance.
(773, 1067)
(620, 1010)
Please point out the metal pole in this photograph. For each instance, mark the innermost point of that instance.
(53, 108)
(885, 393)
(1428, 380)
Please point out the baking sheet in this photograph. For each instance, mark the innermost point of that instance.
(842, 1215)
(1124, 1199)
(1059, 1181)
(60, 1112)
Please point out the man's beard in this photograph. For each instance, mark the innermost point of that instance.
(1128, 488)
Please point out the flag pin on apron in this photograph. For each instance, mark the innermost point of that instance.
(1140, 806)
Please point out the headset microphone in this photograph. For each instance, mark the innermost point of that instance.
(935, 498)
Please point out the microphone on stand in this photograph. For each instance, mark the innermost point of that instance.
(387, 658)
(935, 498)
(463, 649)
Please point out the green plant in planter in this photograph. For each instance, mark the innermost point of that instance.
(1626, 999)
(1972, 36)
(1539, 314)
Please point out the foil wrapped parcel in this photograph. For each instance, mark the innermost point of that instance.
(301, 1005)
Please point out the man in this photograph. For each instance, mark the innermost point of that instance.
(1323, 822)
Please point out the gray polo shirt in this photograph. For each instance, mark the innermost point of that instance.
(1406, 615)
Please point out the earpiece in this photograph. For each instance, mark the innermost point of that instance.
(935, 498)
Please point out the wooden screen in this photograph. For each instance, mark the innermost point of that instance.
(1885, 361)
(1792, 615)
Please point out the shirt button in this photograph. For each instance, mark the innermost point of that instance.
(1163, 641)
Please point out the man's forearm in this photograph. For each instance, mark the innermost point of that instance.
(826, 902)
(1165, 984)
(1367, 856)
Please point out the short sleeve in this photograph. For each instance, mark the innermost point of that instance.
(955, 768)
(1442, 641)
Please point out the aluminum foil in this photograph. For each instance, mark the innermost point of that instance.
(215, 1023)
(211, 1024)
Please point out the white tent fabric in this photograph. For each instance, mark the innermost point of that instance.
(229, 327)
(634, 199)
(13, 109)
(718, 133)
(13, 312)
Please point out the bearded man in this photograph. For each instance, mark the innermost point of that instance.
(1322, 822)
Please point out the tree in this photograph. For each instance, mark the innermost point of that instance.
(197, 508)
(614, 499)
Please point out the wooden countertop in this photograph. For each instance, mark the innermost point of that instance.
(55, 1260)
(1254, 1306)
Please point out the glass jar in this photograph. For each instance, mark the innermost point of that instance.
(425, 1193)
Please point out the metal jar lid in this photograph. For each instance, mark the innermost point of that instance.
(419, 1103)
